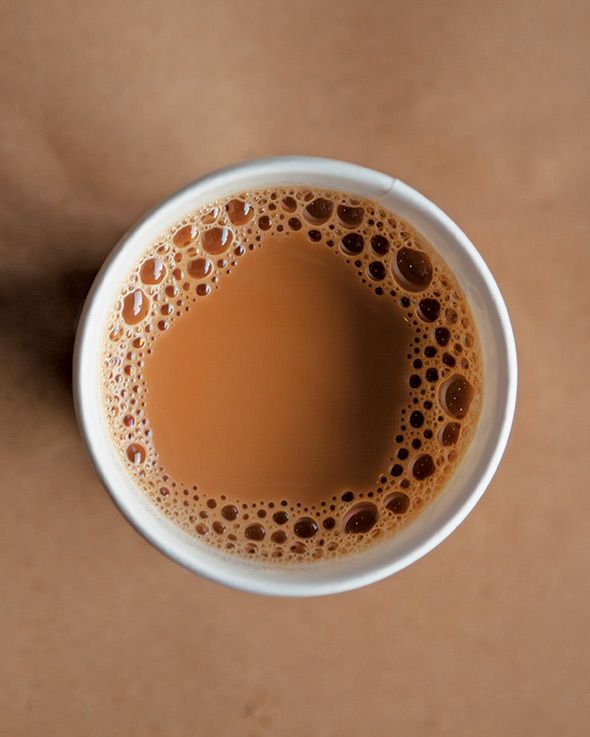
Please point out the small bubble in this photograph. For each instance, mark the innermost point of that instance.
(239, 212)
(377, 270)
(361, 518)
(416, 419)
(397, 502)
(199, 268)
(318, 211)
(429, 310)
(185, 236)
(295, 223)
(314, 236)
(305, 527)
(280, 518)
(412, 269)
(455, 396)
(229, 512)
(289, 204)
(136, 453)
(217, 240)
(349, 216)
(203, 290)
(255, 531)
(442, 336)
(353, 243)
(135, 307)
(279, 537)
(152, 271)
(211, 216)
(450, 433)
(380, 244)
(423, 467)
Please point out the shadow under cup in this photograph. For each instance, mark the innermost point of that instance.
(463, 489)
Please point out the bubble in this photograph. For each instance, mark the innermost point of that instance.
(350, 217)
(298, 548)
(203, 290)
(202, 529)
(397, 502)
(429, 310)
(450, 433)
(422, 467)
(129, 420)
(448, 360)
(136, 453)
(353, 243)
(397, 470)
(255, 531)
(456, 395)
(185, 236)
(289, 204)
(211, 216)
(218, 527)
(442, 336)
(217, 240)
(305, 527)
(412, 269)
(380, 244)
(432, 375)
(199, 268)
(135, 307)
(329, 523)
(416, 419)
(318, 211)
(229, 512)
(451, 316)
(377, 270)
(361, 518)
(314, 236)
(280, 518)
(239, 212)
(279, 537)
(152, 271)
(295, 223)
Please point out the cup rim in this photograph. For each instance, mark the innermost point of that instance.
(285, 170)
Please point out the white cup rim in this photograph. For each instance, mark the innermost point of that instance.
(349, 572)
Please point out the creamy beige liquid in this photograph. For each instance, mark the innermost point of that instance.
(291, 374)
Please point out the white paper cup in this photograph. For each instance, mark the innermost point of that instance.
(461, 492)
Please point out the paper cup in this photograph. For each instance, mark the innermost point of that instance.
(463, 489)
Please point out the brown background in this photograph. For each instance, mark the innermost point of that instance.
(106, 108)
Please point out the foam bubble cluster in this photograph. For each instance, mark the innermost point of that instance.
(188, 263)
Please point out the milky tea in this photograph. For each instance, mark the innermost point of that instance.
(291, 374)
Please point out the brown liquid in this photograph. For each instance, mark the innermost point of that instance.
(291, 374)
(279, 380)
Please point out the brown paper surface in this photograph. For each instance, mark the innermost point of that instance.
(108, 107)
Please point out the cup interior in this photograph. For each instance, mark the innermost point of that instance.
(461, 492)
